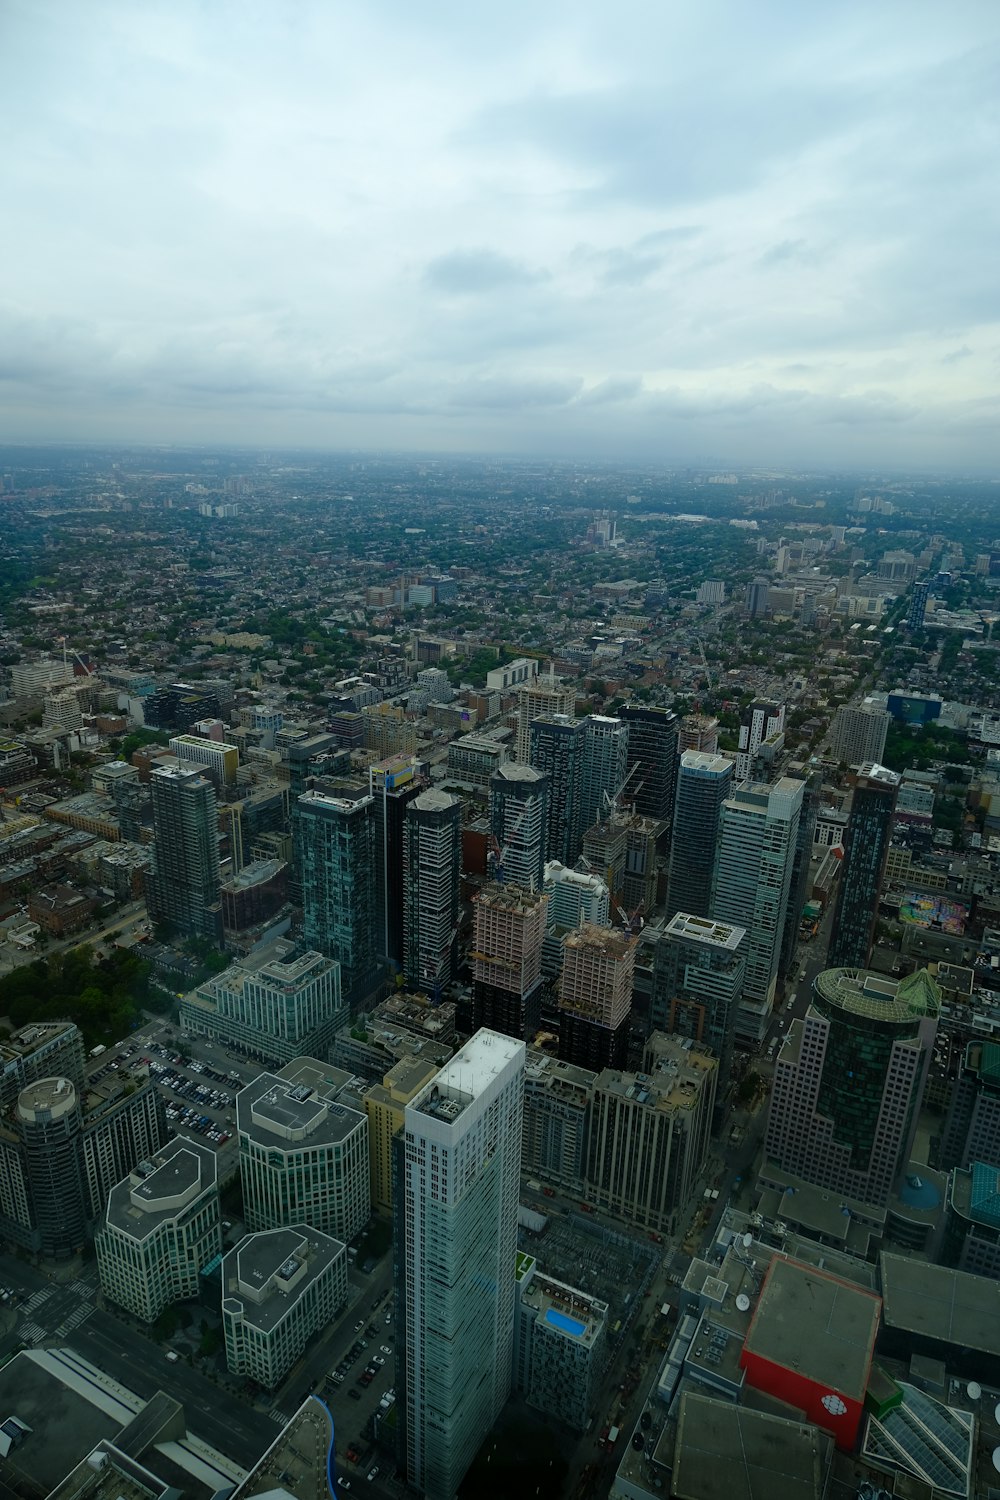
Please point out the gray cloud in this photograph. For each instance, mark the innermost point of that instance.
(655, 231)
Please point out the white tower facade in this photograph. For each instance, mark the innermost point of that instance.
(460, 1185)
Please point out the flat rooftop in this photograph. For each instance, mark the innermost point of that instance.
(468, 1074)
(705, 930)
(817, 1325)
(951, 1307)
(162, 1188)
(268, 1272)
(275, 1110)
(726, 1452)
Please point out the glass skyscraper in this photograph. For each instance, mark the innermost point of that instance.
(335, 857)
(703, 784)
(866, 848)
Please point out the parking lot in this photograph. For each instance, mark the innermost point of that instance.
(199, 1081)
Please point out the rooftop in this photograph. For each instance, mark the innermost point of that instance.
(815, 1324)
(157, 1190)
(297, 1462)
(468, 1074)
(951, 1307)
(705, 930)
(268, 1272)
(276, 1111)
(864, 993)
(725, 1452)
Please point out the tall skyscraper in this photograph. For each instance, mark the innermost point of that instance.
(753, 875)
(603, 768)
(394, 784)
(858, 734)
(703, 784)
(698, 972)
(335, 856)
(652, 759)
(759, 722)
(432, 858)
(595, 997)
(507, 959)
(519, 810)
(458, 1163)
(866, 848)
(918, 605)
(756, 599)
(557, 748)
(540, 697)
(183, 888)
(849, 1080)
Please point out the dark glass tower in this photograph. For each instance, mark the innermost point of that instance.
(432, 858)
(703, 784)
(652, 760)
(335, 857)
(519, 810)
(866, 848)
(183, 889)
(557, 748)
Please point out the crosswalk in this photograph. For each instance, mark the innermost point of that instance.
(32, 1334)
(78, 1316)
(37, 1298)
(279, 1416)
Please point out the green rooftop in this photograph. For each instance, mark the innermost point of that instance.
(876, 997)
(522, 1265)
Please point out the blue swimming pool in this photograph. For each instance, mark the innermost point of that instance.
(561, 1321)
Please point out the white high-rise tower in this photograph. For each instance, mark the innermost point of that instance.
(456, 1243)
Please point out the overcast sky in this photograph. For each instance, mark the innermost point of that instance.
(722, 231)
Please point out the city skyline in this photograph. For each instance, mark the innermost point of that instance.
(719, 237)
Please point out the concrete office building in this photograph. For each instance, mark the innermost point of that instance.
(519, 811)
(336, 867)
(704, 782)
(303, 1154)
(432, 860)
(278, 1002)
(848, 1082)
(698, 732)
(279, 1288)
(758, 833)
(512, 675)
(385, 1106)
(537, 699)
(458, 1166)
(557, 1101)
(474, 759)
(557, 750)
(650, 1132)
(183, 887)
(160, 1228)
(866, 848)
(595, 996)
(858, 734)
(506, 957)
(698, 972)
(559, 1345)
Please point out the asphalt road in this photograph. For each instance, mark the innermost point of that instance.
(57, 1314)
